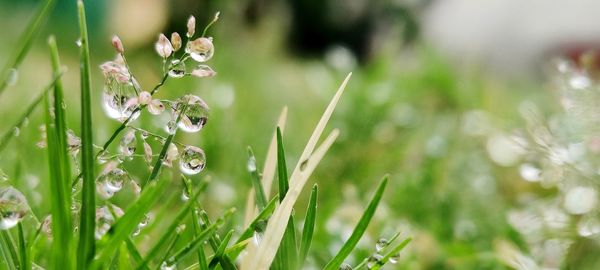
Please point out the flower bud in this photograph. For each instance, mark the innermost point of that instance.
(163, 46)
(116, 42)
(176, 41)
(191, 26)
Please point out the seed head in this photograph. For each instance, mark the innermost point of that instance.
(191, 26)
(163, 46)
(116, 42)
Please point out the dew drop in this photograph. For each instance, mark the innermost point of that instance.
(192, 160)
(111, 182)
(185, 196)
(25, 122)
(375, 259)
(251, 165)
(119, 101)
(3, 176)
(381, 244)
(105, 219)
(78, 42)
(530, 172)
(13, 207)
(128, 143)
(195, 113)
(177, 69)
(345, 266)
(16, 131)
(165, 266)
(201, 49)
(180, 228)
(171, 127)
(13, 77)
(394, 258)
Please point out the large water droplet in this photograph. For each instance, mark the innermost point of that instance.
(177, 69)
(394, 258)
(119, 101)
(128, 143)
(165, 266)
(171, 127)
(375, 259)
(13, 76)
(251, 165)
(13, 207)
(195, 113)
(111, 182)
(78, 42)
(201, 49)
(192, 160)
(530, 172)
(105, 219)
(381, 244)
(16, 131)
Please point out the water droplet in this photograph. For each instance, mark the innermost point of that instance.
(119, 100)
(3, 176)
(394, 258)
(25, 122)
(105, 219)
(16, 131)
(185, 196)
(192, 160)
(128, 143)
(110, 183)
(345, 266)
(145, 135)
(177, 69)
(180, 228)
(381, 244)
(103, 157)
(588, 226)
(375, 259)
(251, 165)
(172, 154)
(201, 49)
(580, 81)
(156, 107)
(13, 207)
(195, 113)
(13, 77)
(530, 172)
(78, 42)
(580, 200)
(165, 266)
(171, 127)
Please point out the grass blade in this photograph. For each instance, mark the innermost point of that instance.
(263, 215)
(25, 42)
(25, 260)
(10, 133)
(60, 172)
(134, 252)
(286, 257)
(261, 198)
(220, 252)
(261, 257)
(195, 220)
(9, 247)
(309, 226)
(359, 230)
(86, 249)
(391, 253)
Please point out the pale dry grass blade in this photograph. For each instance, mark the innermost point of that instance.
(268, 171)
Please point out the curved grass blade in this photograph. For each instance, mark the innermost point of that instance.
(169, 249)
(25, 42)
(60, 172)
(261, 198)
(195, 220)
(221, 252)
(86, 249)
(360, 228)
(393, 252)
(25, 259)
(10, 133)
(134, 252)
(263, 215)
(309, 226)
(8, 245)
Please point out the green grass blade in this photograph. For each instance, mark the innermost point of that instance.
(391, 253)
(359, 230)
(60, 176)
(169, 231)
(10, 133)
(220, 252)
(169, 249)
(286, 257)
(9, 246)
(195, 220)
(25, 259)
(309, 226)
(134, 252)
(25, 42)
(263, 215)
(200, 238)
(261, 198)
(86, 249)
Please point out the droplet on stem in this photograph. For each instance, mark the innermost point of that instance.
(192, 160)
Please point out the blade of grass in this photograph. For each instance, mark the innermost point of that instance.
(25, 259)
(286, 257)
(60, 172)
(220, 252)
(261, 198)
(10, 133)
(261, 257)
(169, 231)
(192, 245)
(268, 170)
(309, 226)
(168, 251)
(134, 252)
(359, 230)
(9, 246)
(86, 249)
(391, 253)
(263, 215)
(195, 220)
(25, 42)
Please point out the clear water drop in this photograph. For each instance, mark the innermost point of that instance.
(13, 77)
(165, 266)
(345, 266)
(185, 196)
(16, 131)
(13, 207)
(375, 259)
(128, 143)
(25, 122)
(177, 69)
(195, 113)
(201, 49)
(171, 127)
(78, 42)
(105, 219)
(192, 160)
(381, 244)
(180, 228)
(530, 172)
(394, 258)
(251, 165)
(111, 182)
(119, 101)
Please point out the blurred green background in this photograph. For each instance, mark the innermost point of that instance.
(411, 110)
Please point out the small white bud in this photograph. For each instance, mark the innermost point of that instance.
(163, 46)
(116, 42)
(144, 98)
(191, 26)
(176, 41)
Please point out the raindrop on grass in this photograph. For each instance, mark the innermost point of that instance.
(78, 42)
(251, 165)
(111, 182)
(105, 219)
(120, 100)
(13, 207)
(195, 113)
(185, 196)
(13, 76)
(394, 258)
(375, 259)
(192, 160)
(381, 244)
(165, 266)
(177, 69)
(171, 127)
(16, 131)
(128, 143)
